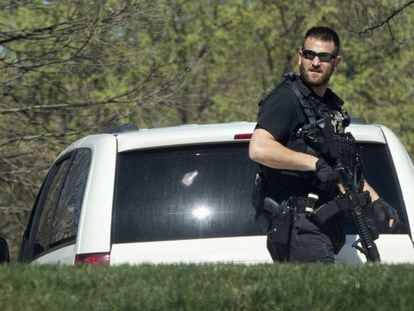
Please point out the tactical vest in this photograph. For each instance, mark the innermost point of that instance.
(298, 183)
(313, 108)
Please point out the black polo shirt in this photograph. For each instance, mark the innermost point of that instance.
(282, 115)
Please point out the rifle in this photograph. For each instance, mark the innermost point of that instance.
(320, 136)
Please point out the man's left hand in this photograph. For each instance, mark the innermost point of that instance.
(384, 211)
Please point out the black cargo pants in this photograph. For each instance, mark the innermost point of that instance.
(308, 243)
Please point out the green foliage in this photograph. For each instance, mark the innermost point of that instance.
(208, 287)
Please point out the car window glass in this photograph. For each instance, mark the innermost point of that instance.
(41, 241)
(66, 218)
(185, 193)
(379, 171)
(199, 192)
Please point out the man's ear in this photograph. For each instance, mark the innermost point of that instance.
(337, 61)
(299, 57)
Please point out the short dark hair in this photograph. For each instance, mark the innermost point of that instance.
(324, 34)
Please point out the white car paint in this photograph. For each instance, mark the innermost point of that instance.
(96, 217)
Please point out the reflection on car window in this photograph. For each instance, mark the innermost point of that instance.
(60, 215)
(66, 218)
(193, 192)
(41, 242)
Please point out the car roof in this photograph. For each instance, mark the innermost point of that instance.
(183, 135)
(203, 133)
(213, 133)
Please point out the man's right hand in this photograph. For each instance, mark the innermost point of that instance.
(326, 176)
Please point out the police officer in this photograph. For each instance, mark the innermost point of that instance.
(290, 168)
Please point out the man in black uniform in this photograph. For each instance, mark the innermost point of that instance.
(290, 168)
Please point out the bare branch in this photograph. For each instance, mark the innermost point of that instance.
(384, 21)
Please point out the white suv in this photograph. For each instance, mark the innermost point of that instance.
(182, 194)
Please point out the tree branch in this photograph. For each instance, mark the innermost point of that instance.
(385, 21)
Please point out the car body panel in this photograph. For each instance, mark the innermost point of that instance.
(182, 135)
(96, 217)
(393, 249)
(250, 249)
(367, 133)
(404, 169)
(95, 224)
(211, 133)
(64, 255)
(246, 250)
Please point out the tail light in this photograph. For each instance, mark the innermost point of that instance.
(243, 136)
(93, 259)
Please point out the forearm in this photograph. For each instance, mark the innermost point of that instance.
(374, 195)
(267, 151)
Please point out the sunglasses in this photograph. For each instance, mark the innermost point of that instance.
(323, 56)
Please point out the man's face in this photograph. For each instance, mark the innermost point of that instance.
(317, 72)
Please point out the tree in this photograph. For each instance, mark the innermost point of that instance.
(371, 16)
(377, 75)
(70, 68)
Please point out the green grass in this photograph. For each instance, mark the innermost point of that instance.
(208, 287)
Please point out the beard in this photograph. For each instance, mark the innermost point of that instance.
(322, 78)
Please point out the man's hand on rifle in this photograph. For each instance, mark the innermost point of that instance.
(381, 209)
(384, 211)
(326, 176)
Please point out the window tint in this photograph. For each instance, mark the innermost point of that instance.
(378, 169)
(62, 200)
(41, 241)
(185, 193)
(66, 219)
(205, 192)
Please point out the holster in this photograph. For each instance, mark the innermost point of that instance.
(281, 221)
(258, 193)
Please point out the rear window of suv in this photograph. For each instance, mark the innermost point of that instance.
(185, 193)
(204, 191)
